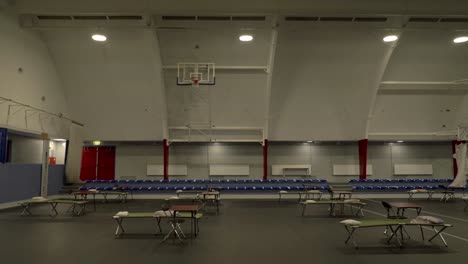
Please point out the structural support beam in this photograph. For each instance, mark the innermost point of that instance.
(380, 73)
(269, 80)
(45, 165)
(363, 143)
(160, 73)
(265, 159)
(166, 159)
(3, 144)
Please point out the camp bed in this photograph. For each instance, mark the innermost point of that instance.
(306, 194)
(332, 206)
(396, 226)
(26, 205)
(122, 196)
(150, 215)
(188, 192)
(429, 194)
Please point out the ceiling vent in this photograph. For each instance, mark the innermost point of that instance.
(47, 17)
(125, 17)
(293, 18)
(336, 19)
(370, 19)
(179, 18)
(439, 19)
(213, 18)
(248, 18)
(424, 19)
(454, 20)
(93, 17)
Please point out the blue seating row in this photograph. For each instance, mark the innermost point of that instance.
(210, 181)
(398, 180)
(224, 188)
(400, 187)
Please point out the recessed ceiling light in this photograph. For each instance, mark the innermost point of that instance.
(390, 38)
(460, 39)
(99, 37)
(245, 38)
(96, 143)
(400, 141)
(59, 139)
(309, 141)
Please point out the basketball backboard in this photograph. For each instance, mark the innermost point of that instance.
(195, 74)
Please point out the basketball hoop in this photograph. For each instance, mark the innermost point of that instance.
(196, 74)
(195, 80)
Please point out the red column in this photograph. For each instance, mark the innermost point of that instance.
(454, 150)
(363, 158)
(166, 159)
(265, 159)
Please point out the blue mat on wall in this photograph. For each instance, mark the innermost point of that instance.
(19, 181)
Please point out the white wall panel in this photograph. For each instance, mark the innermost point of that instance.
(412, 169)
(113, 87)
(322, 84)
(347, 170)
(173, 170)
(229, 170)
(37, 80)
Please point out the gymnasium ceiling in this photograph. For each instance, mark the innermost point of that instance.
(333, 77)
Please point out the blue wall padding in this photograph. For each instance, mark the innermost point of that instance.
(56, 179)
(3, 144)
(19, 181)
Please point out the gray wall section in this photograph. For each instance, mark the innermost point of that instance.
(131, 160)
(56, 179)
(25, 150)
(19, 181)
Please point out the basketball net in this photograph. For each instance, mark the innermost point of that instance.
(195, 80)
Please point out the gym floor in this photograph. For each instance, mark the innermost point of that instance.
(244, 231)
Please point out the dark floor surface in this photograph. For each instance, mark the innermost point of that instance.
(244, 231)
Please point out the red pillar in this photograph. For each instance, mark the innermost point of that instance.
(166, 159)
(265, 159)
(454, 150)
(363, 158)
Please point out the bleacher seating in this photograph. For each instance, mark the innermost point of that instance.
(223, 184)
(397, 185)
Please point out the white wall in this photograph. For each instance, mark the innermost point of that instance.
(131, 160)
(24, 49)
(323, 82)
(57, 150)
(113, 87)
(427, 55)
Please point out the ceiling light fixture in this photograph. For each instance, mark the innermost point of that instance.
(245, 38)
(390, 38)
(400, 141)
(96, 143)
(309, 141)
(461, 39)
(99, 37)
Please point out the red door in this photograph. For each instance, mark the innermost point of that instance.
(98, 163)
(106, 163)
(88, 163)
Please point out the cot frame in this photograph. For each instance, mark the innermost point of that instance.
(396, 227)
(332, 205)
(26, 205)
